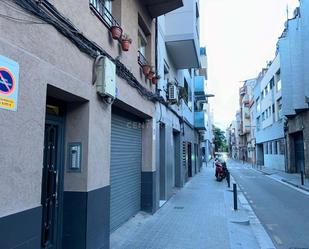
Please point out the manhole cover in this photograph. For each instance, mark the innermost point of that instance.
(179, 207)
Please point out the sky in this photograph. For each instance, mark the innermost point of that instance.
(240, 37)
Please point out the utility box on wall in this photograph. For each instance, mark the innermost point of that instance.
(105, 77)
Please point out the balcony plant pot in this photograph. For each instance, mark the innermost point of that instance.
(116, 32)
(125, 42)
(155, 79)
(146, 69)
(150, 75)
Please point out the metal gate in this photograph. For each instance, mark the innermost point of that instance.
(299, 152)
(52, 185)
(125, 171)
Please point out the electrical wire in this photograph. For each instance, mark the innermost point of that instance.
(45, 11)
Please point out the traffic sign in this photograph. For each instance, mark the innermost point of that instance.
(9, 74)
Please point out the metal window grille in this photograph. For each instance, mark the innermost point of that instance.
(99, 7)
(141, 59)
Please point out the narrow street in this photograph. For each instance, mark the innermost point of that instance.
(199, 216)
(283, 211)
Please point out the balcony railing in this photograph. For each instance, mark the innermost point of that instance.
(98, 7)
(141, 59)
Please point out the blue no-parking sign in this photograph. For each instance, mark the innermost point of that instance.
(9, 76)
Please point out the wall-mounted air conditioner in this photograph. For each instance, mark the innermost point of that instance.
(105, 77)
(172, 93)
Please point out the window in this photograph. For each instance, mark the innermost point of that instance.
(258, 124)
(258, 105)
(166, 73)
(263, 116)
(262, 95)
(266, 90)
(270, 149)
(104, 9)
(278, 80)
(279, 107)
(281, 147)
(275, 149)
(271, 83)
(279, 85)
(187, 94)
(265, 145)
(143, 41)
(266, 114)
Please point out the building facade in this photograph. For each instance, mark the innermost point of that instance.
(83, 157)
(244, 129)
(180, 85)
(269, 120)
(294, 50)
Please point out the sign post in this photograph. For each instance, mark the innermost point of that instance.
(9, 77)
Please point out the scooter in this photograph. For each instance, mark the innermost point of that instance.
(221, 170)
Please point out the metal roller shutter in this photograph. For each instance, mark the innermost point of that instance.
(125, 172)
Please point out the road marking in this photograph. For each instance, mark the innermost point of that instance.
(289, 185)
(278, 240)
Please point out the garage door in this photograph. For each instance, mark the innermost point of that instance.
(126, 161)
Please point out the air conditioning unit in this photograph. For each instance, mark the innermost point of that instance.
(105, 77)
(172, 93)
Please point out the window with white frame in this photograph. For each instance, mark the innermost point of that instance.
(104, 9)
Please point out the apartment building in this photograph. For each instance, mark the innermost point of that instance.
(180, 123)
(81, 159)
(294, 53)
(244, 129)
(269, 135)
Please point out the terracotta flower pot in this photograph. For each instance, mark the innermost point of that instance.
(154, 80)
(125, 44)
(150, 75)
(116, 32)
(146, 69)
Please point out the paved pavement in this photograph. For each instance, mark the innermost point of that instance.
(199, 215)
(282, 209)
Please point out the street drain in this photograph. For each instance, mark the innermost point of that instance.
(179, 207)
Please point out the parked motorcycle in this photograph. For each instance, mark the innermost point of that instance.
(221, 170)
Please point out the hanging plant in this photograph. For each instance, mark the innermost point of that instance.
(126, 42)
(155, 79)
(146, 69)
(151, 74)
(116, 32)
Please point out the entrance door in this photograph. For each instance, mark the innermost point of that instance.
(51, 198)
(189, 160)
(299, 152)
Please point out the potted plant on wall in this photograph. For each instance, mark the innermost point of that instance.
(155, 79)
(116, 32)
(151, 73)
(146, 69)
(125, 42)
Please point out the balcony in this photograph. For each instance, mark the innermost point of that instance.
(181, 36)
(199, 120)
(203, 60)
(242, 91)
(199, 86)
(158, 7)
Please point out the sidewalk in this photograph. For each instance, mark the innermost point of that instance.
(292, 179)
(198, 216)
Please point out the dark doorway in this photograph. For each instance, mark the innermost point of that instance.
(52, 182)
(299, 152)
(189, 160)
(162, 163)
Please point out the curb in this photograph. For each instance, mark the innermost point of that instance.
(262, 237)
(295, 185)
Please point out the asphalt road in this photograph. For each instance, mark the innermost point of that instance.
(283, 211)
